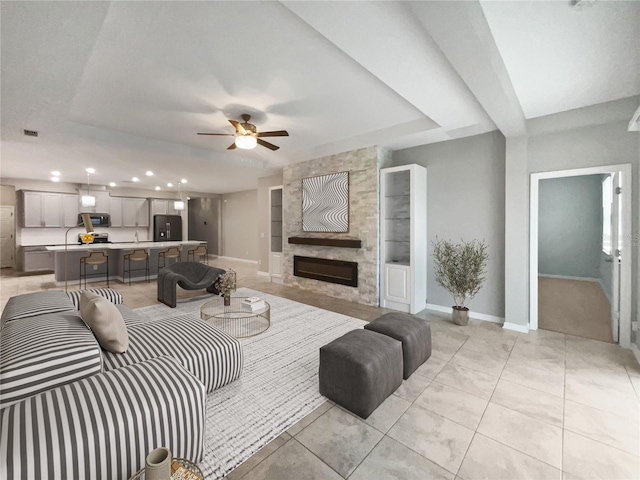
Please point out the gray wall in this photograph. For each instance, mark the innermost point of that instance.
(263, 219)
(570, 226)
(465, 199)
(204, 219)
(240, 225)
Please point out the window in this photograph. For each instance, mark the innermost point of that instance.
(607, 198)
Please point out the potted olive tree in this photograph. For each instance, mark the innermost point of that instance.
(460, 269)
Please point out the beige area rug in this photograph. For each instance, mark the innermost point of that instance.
(576, 307)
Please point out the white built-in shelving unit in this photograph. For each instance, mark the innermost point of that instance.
(275, 234)
(403, 238)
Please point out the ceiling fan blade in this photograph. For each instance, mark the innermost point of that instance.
(277, 133)
(232, 146)
(219, 134)
(270, 146)
(238, 126)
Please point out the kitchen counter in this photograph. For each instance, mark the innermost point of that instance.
(116, 253)
(121, 246)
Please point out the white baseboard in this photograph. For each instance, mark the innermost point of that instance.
(238, 260)
(516, 327)
(478, 316)
(604, 290)
(263, 274)
(566, 277)
(636, 351)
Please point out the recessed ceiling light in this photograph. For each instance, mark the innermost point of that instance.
(90, 170)
(135, 179)
(157, 188)
(55, 179)
(183, 181)
(149, 173)
(55, 173)
(112, 184)
(169, 185)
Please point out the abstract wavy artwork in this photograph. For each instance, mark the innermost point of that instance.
(325, 203)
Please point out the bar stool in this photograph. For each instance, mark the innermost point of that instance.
(93, 258)
(171, 252)
(199, 251)
(139, 255)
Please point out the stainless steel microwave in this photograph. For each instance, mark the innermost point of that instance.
(97, 219)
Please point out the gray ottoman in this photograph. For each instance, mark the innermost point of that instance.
(360, 369)
(414, 333)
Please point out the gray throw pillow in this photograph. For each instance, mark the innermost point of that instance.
(105, 321)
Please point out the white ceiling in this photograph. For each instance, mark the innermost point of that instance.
(123, 87)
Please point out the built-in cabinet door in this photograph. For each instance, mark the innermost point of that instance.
(135, 212)
(397, 283)
(52, 209)
(159, 207)
(142, 212)
(115, 207)
(69, 210)
(33, 214)
(275, 264)
(129, 212)
(103, 202)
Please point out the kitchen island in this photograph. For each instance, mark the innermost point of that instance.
(116, 253)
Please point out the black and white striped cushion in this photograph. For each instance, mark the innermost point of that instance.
(110, 294)
(102, 427)
(131, 317)
(212, 355)
(37, 303)
(44, 352)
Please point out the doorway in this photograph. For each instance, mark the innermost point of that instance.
(580, 271)
(7, 236)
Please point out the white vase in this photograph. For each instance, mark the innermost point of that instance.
(158, 464)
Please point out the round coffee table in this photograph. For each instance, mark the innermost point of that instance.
(233, 319)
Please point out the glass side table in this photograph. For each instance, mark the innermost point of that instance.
(233, 319)
(181, 469)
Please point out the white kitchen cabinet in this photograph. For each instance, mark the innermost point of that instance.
(32, 206)
(69, 210)
(115, 207)
(403, 238)
(46, 209)
(160, 206)
(52, 209)
(135, 212)
(142, 212)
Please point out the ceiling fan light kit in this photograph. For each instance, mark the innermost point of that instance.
(247, 136)
(247, 142)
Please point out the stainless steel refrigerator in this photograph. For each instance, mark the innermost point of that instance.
(167, 228)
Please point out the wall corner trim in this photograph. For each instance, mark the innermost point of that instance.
(516, 327)
(478, 316)
(264, 274)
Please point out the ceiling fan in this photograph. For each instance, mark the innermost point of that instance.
(247, 136)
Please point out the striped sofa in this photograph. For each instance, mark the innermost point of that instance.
(57, 383)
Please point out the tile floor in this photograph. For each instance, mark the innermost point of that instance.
(488, 404)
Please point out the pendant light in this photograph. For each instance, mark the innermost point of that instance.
(88, 200)
(179, 204)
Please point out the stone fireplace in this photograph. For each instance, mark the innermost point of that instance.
(359, 246)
